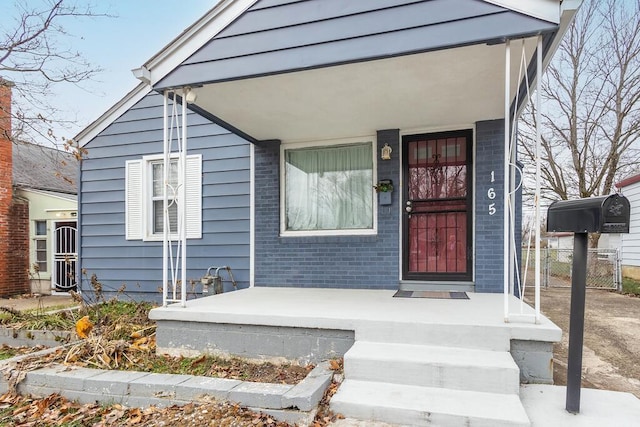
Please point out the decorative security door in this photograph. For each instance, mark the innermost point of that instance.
(437, 206)
(65, 256)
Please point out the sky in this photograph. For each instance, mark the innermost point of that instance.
(137, 31)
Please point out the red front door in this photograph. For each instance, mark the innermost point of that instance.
(437, 204)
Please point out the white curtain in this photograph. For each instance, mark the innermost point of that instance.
(329, 188)
(158, 203)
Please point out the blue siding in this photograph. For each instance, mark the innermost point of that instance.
(275, 37)
(225, 192)
(330, 262)
(488, 235)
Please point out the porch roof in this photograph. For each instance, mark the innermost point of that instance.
(463, 26)
(298, 71)
(360, 310)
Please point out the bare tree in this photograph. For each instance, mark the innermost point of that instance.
(591, 109)
(36, 54)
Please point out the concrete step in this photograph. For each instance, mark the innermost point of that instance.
(479, 336)
(427, 406)
(432, 366)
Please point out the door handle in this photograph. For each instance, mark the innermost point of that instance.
(409, 206)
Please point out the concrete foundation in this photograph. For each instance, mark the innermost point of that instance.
(535, 360)
(302, 345)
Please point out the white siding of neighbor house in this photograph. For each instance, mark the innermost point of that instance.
(631, 242)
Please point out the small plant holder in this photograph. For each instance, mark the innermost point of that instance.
(384, 188)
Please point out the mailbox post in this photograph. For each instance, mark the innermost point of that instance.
(607, 214)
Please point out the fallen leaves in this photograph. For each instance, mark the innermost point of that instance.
(336, 364)
(324, 416)
(84, 327)
(126, 340)
(54, 409)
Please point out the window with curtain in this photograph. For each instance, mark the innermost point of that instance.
(329, 188)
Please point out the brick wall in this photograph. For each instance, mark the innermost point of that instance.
(324, 261)
(14, 214)
(372, 261)
(18, 252)
(6, 180)
(489, 158)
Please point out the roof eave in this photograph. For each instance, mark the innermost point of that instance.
(158, 66)
(194, 37)
(546, 10)
(118, 109)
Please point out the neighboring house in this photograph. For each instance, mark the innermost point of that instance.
(630, 243)
(607, 244)
(38, 210)
(46, 179)
(293, 106)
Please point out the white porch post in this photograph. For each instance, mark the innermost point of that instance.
(510, 151)
(537, 196)
(182, 198)
(174, 241)
(165, 234)
(505, 195)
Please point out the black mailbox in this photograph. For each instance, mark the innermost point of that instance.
(605, 214)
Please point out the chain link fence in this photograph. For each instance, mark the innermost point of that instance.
(603, 268)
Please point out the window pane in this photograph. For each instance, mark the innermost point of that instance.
(158, 176)
(158, 224)
(157, 179)
(329, 188)
(41, 254)
(41, 228)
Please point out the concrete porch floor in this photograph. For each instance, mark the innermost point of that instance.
(360, 310)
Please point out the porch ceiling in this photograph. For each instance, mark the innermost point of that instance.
(439, 89)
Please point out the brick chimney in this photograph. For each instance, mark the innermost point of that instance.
(14, 214)
(6, 152)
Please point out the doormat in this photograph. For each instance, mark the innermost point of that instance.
(431, 294)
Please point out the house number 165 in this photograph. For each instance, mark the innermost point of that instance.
(491, 194)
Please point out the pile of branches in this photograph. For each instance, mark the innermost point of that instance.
(98, 351)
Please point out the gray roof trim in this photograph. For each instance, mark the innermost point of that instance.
(71, 197)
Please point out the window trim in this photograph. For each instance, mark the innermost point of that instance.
(194, 231)
(371, 139)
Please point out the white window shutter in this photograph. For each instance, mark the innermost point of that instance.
(194, 196)
(133, 200)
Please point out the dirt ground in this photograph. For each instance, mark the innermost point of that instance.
(611, 354)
